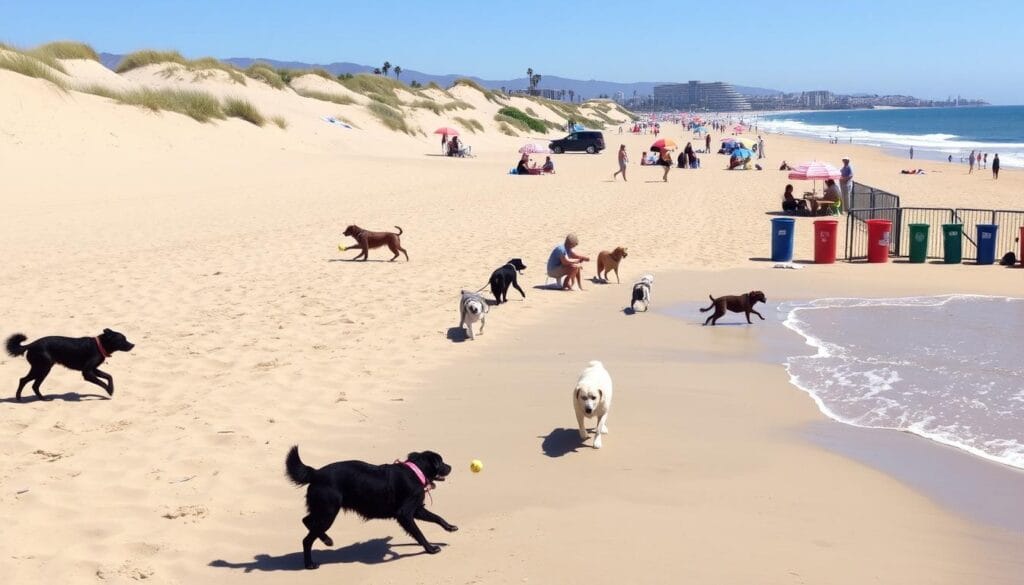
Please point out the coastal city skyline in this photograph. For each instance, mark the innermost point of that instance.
(946, 53)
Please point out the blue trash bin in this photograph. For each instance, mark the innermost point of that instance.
(782, 239)
(987, 243)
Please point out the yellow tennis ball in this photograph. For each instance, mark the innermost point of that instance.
(476, 466)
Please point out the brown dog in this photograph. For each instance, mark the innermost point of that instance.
(736, 303)
(365, 239)
(608, 261)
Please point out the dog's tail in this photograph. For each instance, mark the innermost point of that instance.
(712, 304)
(14, 346)
(298, 472)
(399, 230)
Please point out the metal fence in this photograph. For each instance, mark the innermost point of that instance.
(1009, 222)
(867, 197)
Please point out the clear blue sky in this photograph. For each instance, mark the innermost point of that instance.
(928, 49)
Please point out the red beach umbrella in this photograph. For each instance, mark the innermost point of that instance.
(447, 131)
(664, 143)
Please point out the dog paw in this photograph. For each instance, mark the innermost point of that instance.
(433, 549)
(604, 430)
(451, 528)
(597, 442)
(327, 540)
(312, 565)
(110, 392)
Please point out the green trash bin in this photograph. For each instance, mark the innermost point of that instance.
(953, 242)
(918, 242)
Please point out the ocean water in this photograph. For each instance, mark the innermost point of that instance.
(933, 132)
(948, 368)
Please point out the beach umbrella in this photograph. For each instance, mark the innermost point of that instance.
(739, 128)
(814, 171)
(447, 131)
(729, 139)
(742, 153)
(534, 148)
(664, 143)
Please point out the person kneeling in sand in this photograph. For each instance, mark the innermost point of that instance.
(564, 262)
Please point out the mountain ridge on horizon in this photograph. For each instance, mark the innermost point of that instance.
(591, 88)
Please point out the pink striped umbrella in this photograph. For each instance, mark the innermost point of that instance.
(814, 171)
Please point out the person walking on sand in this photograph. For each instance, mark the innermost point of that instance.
(984, 160)
(970, 163)
(995, 166)
(846, 182)
(665, 160)
(707, 144)
(760, 147)
(623, 161)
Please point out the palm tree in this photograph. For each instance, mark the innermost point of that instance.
(529, 77)
(534, 82)
(398, 71)
(385, 68)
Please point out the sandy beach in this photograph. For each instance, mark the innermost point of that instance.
(213, 247)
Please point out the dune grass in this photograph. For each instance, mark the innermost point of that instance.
(376, 87)
(439, 108)
(529, 121)
(337, 98)
(64, 50)
(392, 118)
(280, 122)
(469, 124)
(239, 108)
(198, 105)
(148, 57)
(491, 95)
(209, 63)
(506, 129)
(30, 66)
(266, 74)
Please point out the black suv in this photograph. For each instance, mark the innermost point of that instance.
(589, 141)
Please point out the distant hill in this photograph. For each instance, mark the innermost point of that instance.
(584, 88)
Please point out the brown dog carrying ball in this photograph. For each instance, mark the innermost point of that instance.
(365, 239)
(736, 303)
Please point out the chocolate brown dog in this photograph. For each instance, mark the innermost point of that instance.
(608, 261)
(365, 239)
(736, 303)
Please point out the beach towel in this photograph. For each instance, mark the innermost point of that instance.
(336, 122)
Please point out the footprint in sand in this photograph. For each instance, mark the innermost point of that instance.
(48, 456)
(192, 513)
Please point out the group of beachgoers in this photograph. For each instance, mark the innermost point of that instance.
(527, 167)
(980, 159)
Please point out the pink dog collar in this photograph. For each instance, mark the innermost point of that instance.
(418, 472)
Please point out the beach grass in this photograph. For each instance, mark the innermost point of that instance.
(507, 130)
(30, 66)
(239, 108)
(198, 105)
(148, 57)
(376, 87)
(337, 98)
(266, 74)
(470, 124)
(209, 63)
(527, 121)
(392, 118)
(280, 122)
(64, 50)
(491, 95)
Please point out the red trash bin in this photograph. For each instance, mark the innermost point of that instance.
(825, 231)
(879, 231)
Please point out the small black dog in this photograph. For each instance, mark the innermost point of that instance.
(1009, 259)
(505, 276)
(372, 491)
(84, 354)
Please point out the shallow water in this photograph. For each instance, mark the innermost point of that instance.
(947, 368)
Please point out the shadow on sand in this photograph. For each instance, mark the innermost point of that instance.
(370, 552)
(561, 442)
(66, 397)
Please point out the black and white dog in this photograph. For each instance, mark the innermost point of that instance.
(472, 308)
(504, 277)
(642, 292)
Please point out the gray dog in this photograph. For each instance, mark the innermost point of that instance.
(472, 308)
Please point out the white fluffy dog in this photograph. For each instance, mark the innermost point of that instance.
(472, 308)
(593, 398)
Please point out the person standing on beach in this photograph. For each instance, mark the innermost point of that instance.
(760, 147)
(984, 160)
(911, 153)
(995, 166)
(707, 143)
(444, 143)
(970, 163)
(623, 162)
(846, 182)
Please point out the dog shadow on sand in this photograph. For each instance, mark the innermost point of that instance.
(561, 442)
(457, 335)
(66, 397)
(370, 552)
